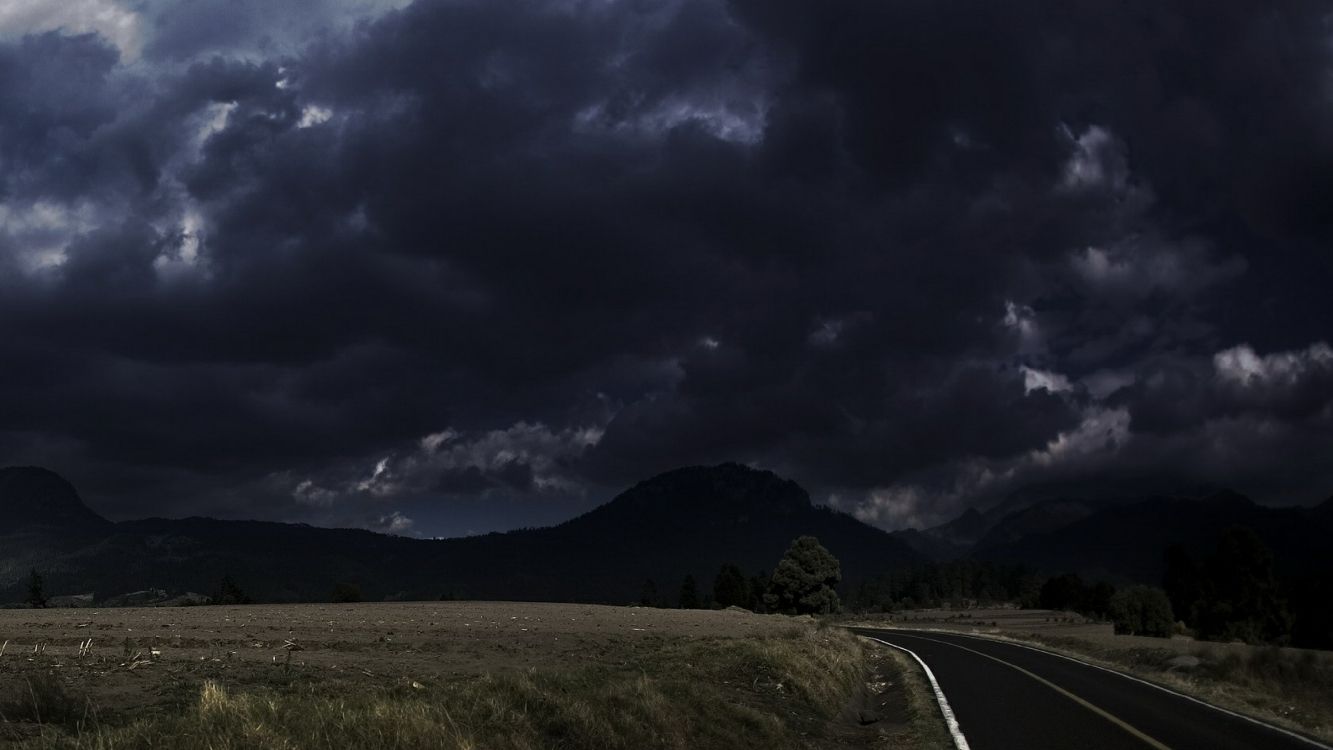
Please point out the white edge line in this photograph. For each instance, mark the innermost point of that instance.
(1294, 735)
(959, 741)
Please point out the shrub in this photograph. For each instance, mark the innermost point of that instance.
(230, 593)
(1142, 610)
(41, 698)
(346, 593)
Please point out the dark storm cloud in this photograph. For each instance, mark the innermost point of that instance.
(341, 261)
(1289, 387)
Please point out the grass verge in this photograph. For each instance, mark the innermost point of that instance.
(771, 692)
(1286, 687)
(926, 729)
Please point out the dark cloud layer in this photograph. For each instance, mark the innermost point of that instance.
(452, 266)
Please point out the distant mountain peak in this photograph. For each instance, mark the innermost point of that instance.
(34, 496)
(964, 530)
(1228, 497)
(706, 489)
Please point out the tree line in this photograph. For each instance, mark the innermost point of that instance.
(1232, 592)
(958, 584)
(1235, 591)
(804, 581)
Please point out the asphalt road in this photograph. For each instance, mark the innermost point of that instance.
(1007, 697)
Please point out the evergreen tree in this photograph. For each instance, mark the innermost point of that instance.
(1064, 592)
(758, 585)
(1234, 594)
(730, 589)
(1242, 598)
(230, 593)
(1097, 599)
(36, 590)
(648, 594)
(1183, 582)
(804, 581)
(1312, 625)
(689, 593)
(346, 593)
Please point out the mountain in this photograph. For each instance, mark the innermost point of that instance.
(1041, 507)
(964, 530)
(694, 520)
(1128, 541)
(1111, 533)
(687, 521)
(975, 531)
(948, 541)
(1040, 518)
(35, 497)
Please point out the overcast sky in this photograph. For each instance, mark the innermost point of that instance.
(447, 267)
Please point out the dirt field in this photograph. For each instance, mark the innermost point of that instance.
(151, 665)
(359, 644)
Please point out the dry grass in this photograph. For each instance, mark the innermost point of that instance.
(928, 731)
(41, 698)
(1292, 688)
(767, 692)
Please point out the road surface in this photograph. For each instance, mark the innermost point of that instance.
(1008, 697)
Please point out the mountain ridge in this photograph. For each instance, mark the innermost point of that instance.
(35, 496)
(1128, 541)
(687, 521)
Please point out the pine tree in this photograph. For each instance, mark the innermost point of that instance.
(758, 587)
(648, 594)
(36, 590)
(730, 589)
(230, 593)
(346, 593)
(689, 593)
(804, 579)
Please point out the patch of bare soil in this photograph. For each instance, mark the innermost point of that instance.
(877, 714)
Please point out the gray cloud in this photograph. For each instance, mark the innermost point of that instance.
(913, 255)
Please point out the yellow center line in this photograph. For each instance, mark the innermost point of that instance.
(1095, 709)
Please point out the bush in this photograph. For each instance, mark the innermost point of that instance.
(230, 593)
(346, 593)
(1142, 610)
(41, 698)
